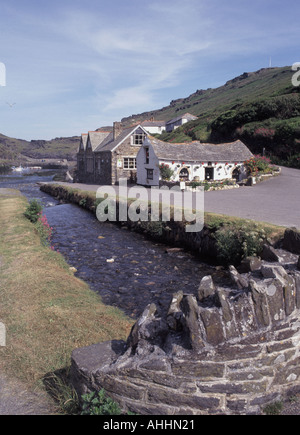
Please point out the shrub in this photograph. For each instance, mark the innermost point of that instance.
(98, 403)
(234, 243)
(166, 172)
(33, 211)
(258, 164)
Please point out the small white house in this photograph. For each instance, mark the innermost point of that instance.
(193, 161)
(154, 127)
(179, 121)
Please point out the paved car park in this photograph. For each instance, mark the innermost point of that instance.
(275, 201)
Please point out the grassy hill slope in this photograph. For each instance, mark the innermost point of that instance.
(261, 108)
(59, 148)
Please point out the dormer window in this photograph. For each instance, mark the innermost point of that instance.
(138, 139)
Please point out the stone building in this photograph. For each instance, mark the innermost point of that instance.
(193, 161)
(104, 157)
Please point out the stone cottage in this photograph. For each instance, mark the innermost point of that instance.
(104, 157)
(192, 161)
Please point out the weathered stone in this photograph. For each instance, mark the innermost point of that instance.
(213, 325)
(260, 304)
(199, 370)
(289, 295)
(231, 354)
(263, 400)
(269, 254)
(297, 287)
(237, 279)
(115, 385)
(250, 264)
(237, 405)
(291, 240)
(234, 388)
(274, 292)
(191, 311)
(206, 288)
(272, 271)
(280, 346)
(87, 360)
(288, 373)
(174, 315)
(147, 327)
(222, 297)
(160, 395)
(244, 315)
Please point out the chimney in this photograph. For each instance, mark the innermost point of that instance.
(117, 129)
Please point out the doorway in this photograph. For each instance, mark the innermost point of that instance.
(184, 174)
(236, 174)
(209, 174)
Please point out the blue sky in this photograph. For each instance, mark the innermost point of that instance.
(74, 66)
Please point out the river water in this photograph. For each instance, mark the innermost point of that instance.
(126, 269)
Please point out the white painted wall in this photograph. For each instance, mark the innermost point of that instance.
(222, 170)
(155, 130)
(142, 166)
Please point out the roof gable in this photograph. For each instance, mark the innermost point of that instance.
(83, 141)
(95, 138)
(109, 144)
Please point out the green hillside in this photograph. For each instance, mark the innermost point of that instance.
(12, 149)
(261, 108)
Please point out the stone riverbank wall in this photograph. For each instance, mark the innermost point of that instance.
(172, 233)
(227, 351)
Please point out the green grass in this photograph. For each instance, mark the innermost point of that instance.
(48, 312)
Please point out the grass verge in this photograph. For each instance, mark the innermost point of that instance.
(47, 311)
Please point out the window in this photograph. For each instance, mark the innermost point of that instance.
(129, 163)
(149, 174)
(147, 156)
(138, 139)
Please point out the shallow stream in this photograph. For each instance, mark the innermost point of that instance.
(126, 269)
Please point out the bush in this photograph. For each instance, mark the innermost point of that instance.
(258, 164)
(234, 244)
(166, 172)
(33, 211)
(98, 404)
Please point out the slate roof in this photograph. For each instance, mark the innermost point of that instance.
(153, 124)
(83, 141)
(96, 138)
(200, 152)
(109, 144)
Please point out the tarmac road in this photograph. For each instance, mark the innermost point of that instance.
(275, 201)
